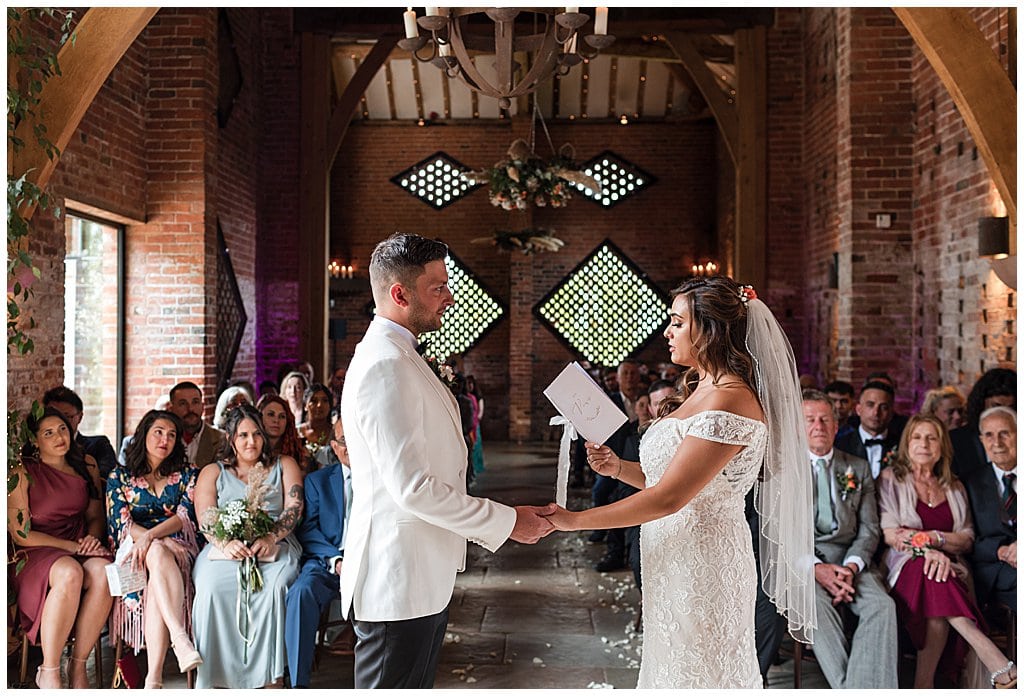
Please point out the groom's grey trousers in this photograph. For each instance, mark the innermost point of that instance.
(399, 654)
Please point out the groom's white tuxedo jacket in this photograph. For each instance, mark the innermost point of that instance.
(410, 516)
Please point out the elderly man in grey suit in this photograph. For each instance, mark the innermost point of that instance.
(845, 537)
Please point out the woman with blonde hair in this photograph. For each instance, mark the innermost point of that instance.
(947, 404)
(926, 524)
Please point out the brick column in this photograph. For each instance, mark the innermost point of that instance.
(170, 327)
(874, 164)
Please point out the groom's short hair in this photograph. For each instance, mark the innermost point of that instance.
(401, 258)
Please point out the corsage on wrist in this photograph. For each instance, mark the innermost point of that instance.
(919, 543)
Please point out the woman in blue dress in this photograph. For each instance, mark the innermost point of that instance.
(149, 499)
(243, 647)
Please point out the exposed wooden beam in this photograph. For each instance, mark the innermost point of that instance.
(314, 212)
(101, 37)
(965, 62)
(354, 90)
(752, 157)
(707, 83)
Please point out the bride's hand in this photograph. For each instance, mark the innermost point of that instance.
(602, 460)
(562, 519)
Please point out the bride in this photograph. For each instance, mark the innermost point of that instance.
(738, 416)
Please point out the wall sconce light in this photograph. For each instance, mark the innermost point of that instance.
(704, 270)
(994, 237)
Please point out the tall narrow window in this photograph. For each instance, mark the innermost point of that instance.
(93, 325)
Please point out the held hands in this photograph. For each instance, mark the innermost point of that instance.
(90, 546)
(602, 460)
(1008, 554)
(532, 523)
(563, 520)
(837, 581)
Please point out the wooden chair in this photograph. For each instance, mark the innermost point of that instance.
(322, 642)
(190, 676)
(97, 652)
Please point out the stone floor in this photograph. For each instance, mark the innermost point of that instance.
(526, 616)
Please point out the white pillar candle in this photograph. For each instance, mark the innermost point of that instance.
(411, 30)
(444, 49)
(601, 21)
(432, 12)
(572, 10)
(570, 45)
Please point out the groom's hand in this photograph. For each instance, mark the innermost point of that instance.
(531, 524)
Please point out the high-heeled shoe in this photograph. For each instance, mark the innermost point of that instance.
(1010, 683)
(40, 671)
(153, 685)
(185, 651)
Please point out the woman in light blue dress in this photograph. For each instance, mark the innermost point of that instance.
(239, 651)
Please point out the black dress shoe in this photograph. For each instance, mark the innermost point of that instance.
(597, 536)
(607, 564)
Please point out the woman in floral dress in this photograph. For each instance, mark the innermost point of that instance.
(149, 499)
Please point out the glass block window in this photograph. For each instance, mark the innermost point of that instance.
(437, 180)
(619, 179)
(606, 308)
(476, 311)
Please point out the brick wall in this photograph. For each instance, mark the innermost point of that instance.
(663, 230)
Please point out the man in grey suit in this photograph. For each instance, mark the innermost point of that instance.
(845, 537)
(202, 441)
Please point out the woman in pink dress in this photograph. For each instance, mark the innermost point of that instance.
(62, 587)
(927, 527)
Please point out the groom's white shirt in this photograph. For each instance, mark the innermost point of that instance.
(410, 515)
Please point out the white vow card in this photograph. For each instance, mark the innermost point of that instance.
(584, 409)
(584, 404)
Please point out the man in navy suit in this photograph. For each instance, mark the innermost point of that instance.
(328, 495)
(993, 495)
(97, 446)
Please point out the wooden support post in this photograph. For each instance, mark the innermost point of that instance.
(314, 199)
(101, 38)
(965, 62)
(752, 155)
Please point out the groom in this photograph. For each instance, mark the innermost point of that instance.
(410, 515)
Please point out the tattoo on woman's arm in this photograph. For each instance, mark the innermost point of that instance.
(289, 519)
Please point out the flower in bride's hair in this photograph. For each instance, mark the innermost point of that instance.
(747, 293)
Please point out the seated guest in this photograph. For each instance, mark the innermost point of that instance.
(96, 446)
(337, 384)
(248, 463)
(315, 429)
(845, 537)
(229, 399)
(62, 587)
(898, 420)
(808, 382)
(997, 387)
(280, 429)
(149, 500)
(947, 404)
(659, 390)
(872, 439)
(322, 535)
(202, 441)
(992, 491)
(268, 387)
(927, 530)
(293, 389)
(476, 455)
(842, 395)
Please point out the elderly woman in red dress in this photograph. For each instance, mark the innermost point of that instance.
(927, 527)
(62, 587)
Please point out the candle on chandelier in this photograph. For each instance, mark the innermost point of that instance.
(572, 10)
(432, 12)
(444, 49)
(601, 21)
(411, 30)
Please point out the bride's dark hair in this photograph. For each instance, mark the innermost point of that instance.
(718, 329)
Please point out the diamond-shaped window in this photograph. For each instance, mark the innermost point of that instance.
(606, 308)
(619, 179)
(476, 311)
(437, 180)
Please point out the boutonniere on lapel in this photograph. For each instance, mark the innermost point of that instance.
(848, 483)
(888, 458)
(443, 370)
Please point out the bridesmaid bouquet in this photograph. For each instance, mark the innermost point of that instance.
(246, 520)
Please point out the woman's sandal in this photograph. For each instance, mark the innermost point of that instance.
(185, 651)
(153, 685)
(46, 670)
(1010, 682)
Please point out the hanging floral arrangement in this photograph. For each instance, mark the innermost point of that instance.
(525, 179)
(528, 241)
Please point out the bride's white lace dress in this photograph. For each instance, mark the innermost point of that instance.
(699, 579)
